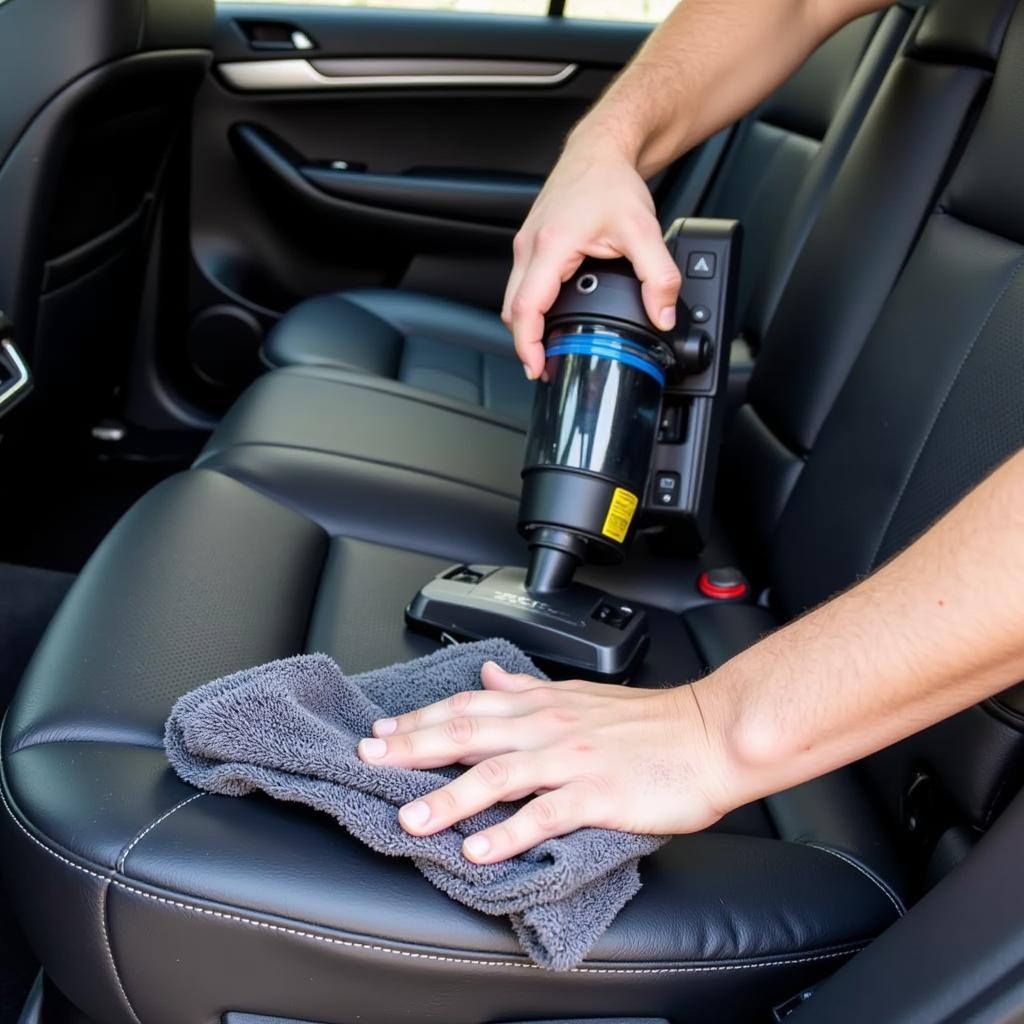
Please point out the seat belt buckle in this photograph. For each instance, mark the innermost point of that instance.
(725, 584)
(783, 1010)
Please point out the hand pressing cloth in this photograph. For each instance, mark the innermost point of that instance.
(290, 729)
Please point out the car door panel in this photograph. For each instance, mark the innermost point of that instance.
(420, 201)
(407, 155)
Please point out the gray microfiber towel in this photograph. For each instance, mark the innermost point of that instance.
(290, 729)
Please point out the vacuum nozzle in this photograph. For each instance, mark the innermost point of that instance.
(554, 556)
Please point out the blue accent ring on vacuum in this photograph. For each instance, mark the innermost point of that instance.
(608, 346)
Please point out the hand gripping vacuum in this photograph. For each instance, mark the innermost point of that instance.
(625, 430)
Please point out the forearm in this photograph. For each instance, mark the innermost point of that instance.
(708, 64)
(937, 629)
(934, 631)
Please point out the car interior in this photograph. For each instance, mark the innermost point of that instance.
(255, 395)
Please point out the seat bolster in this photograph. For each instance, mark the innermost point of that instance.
(375, 461)
(833, 813)
(382, 503)
(330, 330)
(248, 904)
(200, 578)
(722, 630)
(379, 422)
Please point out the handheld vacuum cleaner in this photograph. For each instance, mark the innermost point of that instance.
(625, 431)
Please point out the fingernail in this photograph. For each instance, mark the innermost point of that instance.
(668, 318)
(477, 846)
(528, 372)
(373, 748)
(384, 726)
(493, 665)
(415, 814)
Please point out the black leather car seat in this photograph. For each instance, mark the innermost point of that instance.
(92, 96)
(335, 441)
(148, 902)
(774, 177)
(366, 460)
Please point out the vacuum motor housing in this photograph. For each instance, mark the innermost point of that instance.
(595, 421)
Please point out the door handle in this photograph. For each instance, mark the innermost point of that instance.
(275, 35)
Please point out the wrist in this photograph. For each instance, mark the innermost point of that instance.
(600, 140)
(625, 125)
(761, 755)
(746, 751)
(701, 726)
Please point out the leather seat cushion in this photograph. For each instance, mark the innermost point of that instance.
(148, 900)
(375, 460)
(423, 341)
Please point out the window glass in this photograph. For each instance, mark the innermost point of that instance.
(619, 10)
(485, 6)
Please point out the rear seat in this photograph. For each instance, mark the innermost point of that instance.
(778, 169)
(147, 902)
(333, 442)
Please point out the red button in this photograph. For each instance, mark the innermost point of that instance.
(719, 592)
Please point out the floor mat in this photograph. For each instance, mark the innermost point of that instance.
(62, 497)
(28, 599)
(17, 966)
(57, 521)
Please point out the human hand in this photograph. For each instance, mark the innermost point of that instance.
(594, 203)
(635, 760)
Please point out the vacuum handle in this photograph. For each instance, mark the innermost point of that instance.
(681, 484)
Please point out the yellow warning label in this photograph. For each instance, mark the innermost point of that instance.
(620, 515)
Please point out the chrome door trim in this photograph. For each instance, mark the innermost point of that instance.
(22, 378)
(371, 73)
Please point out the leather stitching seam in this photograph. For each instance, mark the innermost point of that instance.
(206, 461)
(868, 874)
(110, 950)
(149, 828)
(408, 394)
(409, 954)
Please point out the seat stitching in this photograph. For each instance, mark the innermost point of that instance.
(110, 951)
(938, 413)
(409, 954)
(890, 895)
(209, 462)
(149, 828)
(27, 741)
(421, 396)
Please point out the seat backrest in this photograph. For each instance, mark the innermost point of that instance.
(854, 254)
(782, 158)
(931, 403)
(91, 99)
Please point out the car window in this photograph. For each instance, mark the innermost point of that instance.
(619, 10)
(607, 10)
(527, 7)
